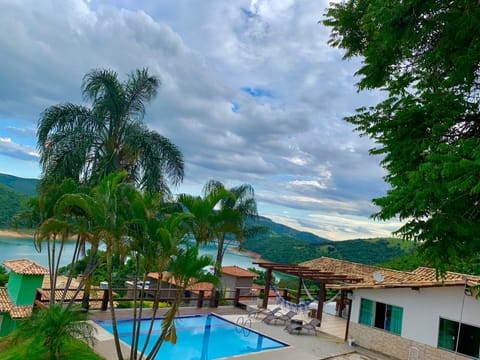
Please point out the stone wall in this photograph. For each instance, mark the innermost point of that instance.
(397, 346)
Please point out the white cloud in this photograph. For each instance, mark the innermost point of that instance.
(291, 145)
(13, 150)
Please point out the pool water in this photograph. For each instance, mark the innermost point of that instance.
(199, 337)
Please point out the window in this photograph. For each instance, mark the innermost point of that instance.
(382, 316)
(468, 342)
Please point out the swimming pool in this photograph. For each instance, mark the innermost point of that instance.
(199, 337)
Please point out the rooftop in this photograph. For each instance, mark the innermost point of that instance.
(25, 267)
(377, 277)
(16, 312)
(238, 271)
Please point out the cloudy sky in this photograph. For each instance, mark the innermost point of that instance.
(251, 93)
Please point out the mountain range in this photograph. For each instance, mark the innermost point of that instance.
(277, 242)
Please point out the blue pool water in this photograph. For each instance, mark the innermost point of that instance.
(199, 337)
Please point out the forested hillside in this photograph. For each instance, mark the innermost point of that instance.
(286, 245)
(11, 203)
(277, 242)
(21, 185)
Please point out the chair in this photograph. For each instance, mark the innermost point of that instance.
(266, 312)
(311, 325)
(282, 317)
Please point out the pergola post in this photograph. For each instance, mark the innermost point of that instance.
(268, 279)
(321, 299)
(348, 319)
(341, 305)
(299, 289)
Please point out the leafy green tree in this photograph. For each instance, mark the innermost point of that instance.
(86, 144)
(3, 275)
(55, 326)
(425, 57)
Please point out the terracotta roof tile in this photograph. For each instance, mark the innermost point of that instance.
(25, 267)
(238, 271)
(20, 312)
(16, 312)
(5, 303)
(376, 277)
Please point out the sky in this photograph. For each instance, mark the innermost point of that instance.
(251, 93)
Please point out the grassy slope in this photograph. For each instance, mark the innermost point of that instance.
(74, 350)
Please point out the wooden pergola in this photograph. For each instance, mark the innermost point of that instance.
(323, 278)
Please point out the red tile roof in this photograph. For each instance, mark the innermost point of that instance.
(25, 267)
(5, 303)
(377, 277)
(238, 271)
(16, 312)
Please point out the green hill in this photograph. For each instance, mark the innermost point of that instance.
(286, 245)
(11, 203)
(21, 185)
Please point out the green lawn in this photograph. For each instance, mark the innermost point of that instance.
(74, 350)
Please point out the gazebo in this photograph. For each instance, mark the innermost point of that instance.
(323, 278)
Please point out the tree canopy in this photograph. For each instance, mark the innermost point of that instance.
(424, 56)
(89, 143)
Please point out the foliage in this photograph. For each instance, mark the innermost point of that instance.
(87, 144)
(21, 185)
(425, 56)
(230, 216)
(34, 349)
(3, 275)
(276, 248)
(144, 304)
(55, 326)
(11, 203)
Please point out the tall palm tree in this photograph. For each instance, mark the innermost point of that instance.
(187, 268)
(88, 143)
(106, 208)
(204, 217)
(233, 213)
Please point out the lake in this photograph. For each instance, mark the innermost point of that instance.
(19, 248)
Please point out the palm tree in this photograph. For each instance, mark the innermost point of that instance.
(232, 215)
(204, 217)
(86, 144)
(156, 235)
(55, 326)
(106, 209)
(187, 268)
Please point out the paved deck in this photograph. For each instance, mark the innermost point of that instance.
(327, 344)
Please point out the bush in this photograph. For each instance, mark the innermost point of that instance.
(146, 304)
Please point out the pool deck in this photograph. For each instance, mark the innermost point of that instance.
(327, 344)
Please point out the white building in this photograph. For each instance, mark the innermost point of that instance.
(410, 315)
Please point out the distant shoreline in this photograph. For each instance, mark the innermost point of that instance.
(15, 234)
(255, 256)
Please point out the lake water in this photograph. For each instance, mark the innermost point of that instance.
(19, 248)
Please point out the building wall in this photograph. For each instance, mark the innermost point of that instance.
(230, 283)
(8, 325)
(22, 288)
(397, 346)
(423, 308)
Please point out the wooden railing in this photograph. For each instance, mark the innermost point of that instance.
(237, 297)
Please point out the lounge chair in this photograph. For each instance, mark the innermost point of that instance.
(282, 317)
(311, 325)
(265, 312)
